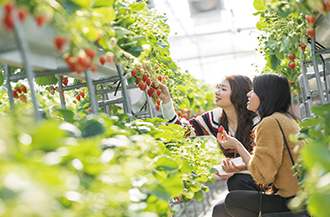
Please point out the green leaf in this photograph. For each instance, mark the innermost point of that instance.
(165, 134)
(92, 128)
(107, 14)
(318, 203)
(164, 162)
(271, 44)
(161, 44)
(173, 185)
(198, 195)
(120, 31)
(2, 77)
(201, 178)
(316, 152)
(310, 122)
(104, 2)
(258, 5)
(320, 110)
(138, 6)
(66, 114)
(160, 192)
(186, 167)
(46, 80)
(273, 61)
(83, 3)
(47, 136)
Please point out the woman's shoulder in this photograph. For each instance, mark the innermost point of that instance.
(282, 118)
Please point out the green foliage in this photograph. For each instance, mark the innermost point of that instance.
(56, 168)
(315, 156)
(283, 31)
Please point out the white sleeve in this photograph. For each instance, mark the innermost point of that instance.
(168, 110)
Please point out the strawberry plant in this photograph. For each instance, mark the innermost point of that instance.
(98, 160)
(315, 158)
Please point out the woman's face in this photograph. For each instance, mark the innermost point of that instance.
(222, 95)
(253, 101)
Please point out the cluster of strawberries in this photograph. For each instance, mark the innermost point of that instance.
(19, 93)
(182, 113)
(22, 13)
(148, 82)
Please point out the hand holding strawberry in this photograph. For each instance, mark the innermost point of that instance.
(165, 94)
(226, 140)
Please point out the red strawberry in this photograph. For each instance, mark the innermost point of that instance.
(90, 53)
(110, 57)
(179, 113)
(103, 60)
(15, 95)
(9, 7)
(159, 92)
(148, 82)
(137, 80)
(8, 22)
(65, 81)
(311, 33)
(145, 77)
(302, 47)
(89, 110)
(22, 14)
(160, 78)
(166, 77)
(292, 56)
(292, 65)
(82, 94)
(51, 90)
(185, 111)
(40, 19)
(156, 67)
(310, 19)
(84, 62)
(94, 67)
(158, 102)
(221, 129)
(151, 91)
(133, 72)
(23, 98)
(157, 107)
(23, 89)
(18, 89)
(289, 83)
(78, 97)
(142, 86)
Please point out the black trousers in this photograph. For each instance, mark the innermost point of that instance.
(238, 181)
(246, 203)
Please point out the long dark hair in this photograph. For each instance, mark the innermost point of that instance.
(240, 85)
(274, 94)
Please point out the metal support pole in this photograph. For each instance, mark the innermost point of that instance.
(151, 112)
(61, 91)
(317, 74)
(127, 101)
(26, 57)
(306, 90)
(9, 90)
(91, 91)
(105, 97)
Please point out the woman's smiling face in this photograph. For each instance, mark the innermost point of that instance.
(222, 94)
(253, 101)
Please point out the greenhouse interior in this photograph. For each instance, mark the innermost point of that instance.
(164, 108)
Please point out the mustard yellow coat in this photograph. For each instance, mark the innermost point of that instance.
(271, 160)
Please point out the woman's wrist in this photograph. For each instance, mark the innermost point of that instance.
(165, 100)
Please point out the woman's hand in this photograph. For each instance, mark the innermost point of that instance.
(226, 141)
(225, 176)
(165, 94)
(229, 166)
